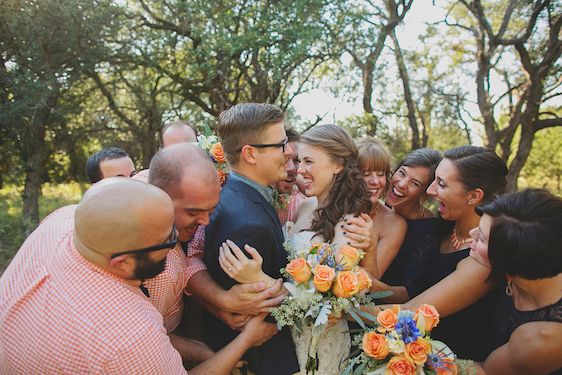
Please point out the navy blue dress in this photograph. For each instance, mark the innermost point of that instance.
(507, 319)
(468, 332)
(420, 245)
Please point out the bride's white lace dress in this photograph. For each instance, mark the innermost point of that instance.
(334, 344)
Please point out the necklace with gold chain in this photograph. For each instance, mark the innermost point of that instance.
(457, 242)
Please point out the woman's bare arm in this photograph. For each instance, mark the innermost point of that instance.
(466, 285)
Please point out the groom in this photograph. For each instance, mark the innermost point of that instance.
(255, 144)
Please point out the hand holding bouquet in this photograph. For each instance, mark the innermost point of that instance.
(322, 282)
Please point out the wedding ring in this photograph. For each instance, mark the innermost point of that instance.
(230, 269)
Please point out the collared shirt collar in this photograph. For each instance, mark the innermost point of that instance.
(266, 191)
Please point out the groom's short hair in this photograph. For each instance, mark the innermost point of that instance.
(244, 124)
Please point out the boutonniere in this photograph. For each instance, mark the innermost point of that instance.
(280, 201)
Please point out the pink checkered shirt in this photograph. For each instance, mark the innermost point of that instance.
(61, 314)
(289, 213)
(166, 290)
(195, 252)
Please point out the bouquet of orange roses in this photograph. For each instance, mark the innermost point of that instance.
(401, 344)
(322, 282)
(210, 143)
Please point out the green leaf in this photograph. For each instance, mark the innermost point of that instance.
(366, 315)
(358, 319)
(359, 370)
(381, 294)
(207, 130)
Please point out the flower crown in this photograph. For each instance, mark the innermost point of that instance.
(211, 145)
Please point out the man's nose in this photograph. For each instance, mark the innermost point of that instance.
(203, 218)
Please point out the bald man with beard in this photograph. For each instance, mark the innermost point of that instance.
(75, 303)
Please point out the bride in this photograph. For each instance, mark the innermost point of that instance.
(338, 196)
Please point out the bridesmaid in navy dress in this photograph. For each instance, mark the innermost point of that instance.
(466, 177)
(520, 237)
(406, 195)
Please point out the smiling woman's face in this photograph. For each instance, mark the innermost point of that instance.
(480, 239)
(376, 182)
(407, 184)
(318, 170)
(449, 191)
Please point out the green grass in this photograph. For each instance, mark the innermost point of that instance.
(12, 233)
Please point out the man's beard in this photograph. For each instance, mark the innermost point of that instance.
(147, 269)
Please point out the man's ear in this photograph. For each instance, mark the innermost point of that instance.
(122, 262)
(475, 197)
(248, 155)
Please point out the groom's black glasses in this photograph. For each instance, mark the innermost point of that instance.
(171, 243)
(264, 145)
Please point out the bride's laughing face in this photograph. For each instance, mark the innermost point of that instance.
(318, 171)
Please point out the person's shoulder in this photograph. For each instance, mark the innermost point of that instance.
(305, 213)
(470, 269)
(537, 345)
(142, 175)
(392, 221)
(307, 206)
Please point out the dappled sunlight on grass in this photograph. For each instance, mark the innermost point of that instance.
(11, 223)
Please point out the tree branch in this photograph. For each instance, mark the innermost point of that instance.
(547, 123)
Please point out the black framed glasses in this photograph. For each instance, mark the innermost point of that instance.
(171, 243)
(264, 145)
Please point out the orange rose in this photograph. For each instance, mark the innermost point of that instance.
(299, 270)
(400, 366)
(417, 351)
(217, 153)
(346, 284)
(387, 320)
(430, 316)
(323, 277)
(365, 281)
(375, 345)
(348, 257)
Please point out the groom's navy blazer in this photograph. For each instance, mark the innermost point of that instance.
(245, 217)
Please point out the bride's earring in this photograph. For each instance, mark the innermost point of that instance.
(508, 288)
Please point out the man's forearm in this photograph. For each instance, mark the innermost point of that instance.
(190, 350)
(206, 290)
(226, 359)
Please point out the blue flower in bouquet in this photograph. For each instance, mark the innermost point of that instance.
(441, 364)
(406, 327)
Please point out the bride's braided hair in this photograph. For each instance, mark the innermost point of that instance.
(349, 194)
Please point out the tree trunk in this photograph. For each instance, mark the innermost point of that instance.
(34, 152)
(523, 151)
(412, 120)
(34, 173)
(367, 72)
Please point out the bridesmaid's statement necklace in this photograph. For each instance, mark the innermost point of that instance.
(457, 242)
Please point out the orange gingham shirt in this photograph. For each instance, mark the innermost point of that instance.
(61, 314)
